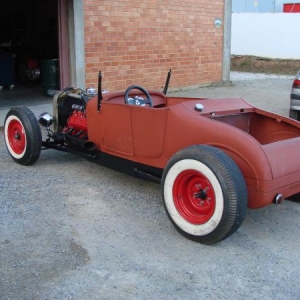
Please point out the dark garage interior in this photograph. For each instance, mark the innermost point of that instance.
(28, 46)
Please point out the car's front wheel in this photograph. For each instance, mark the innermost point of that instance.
(205, 194)
(22, 135)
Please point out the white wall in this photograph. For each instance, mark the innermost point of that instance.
(273, 35)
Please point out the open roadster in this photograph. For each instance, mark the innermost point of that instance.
(213, 157)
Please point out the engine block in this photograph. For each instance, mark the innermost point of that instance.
(77, 122)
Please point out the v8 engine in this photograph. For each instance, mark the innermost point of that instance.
(77, 122)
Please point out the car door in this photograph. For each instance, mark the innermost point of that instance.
(148, 130)
(117, 131)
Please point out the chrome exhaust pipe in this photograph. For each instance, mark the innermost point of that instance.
(278, 199)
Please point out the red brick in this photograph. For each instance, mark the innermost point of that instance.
(137, 42)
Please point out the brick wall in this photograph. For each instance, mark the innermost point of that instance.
(137, 42)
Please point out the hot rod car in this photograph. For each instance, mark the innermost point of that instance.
(214, 158)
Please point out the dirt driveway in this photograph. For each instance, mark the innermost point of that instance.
(73, 230)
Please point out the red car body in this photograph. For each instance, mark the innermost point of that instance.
(213, 157)
(264, 145)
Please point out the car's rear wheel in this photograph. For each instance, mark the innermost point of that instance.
(205, 194)
(22, 135)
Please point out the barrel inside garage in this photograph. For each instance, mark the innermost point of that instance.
(28, 38)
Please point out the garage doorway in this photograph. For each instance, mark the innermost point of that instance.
(29, 32)
(35, 31)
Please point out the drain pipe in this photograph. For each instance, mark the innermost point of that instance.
(227, 42)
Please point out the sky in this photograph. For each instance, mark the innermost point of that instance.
(259, 5)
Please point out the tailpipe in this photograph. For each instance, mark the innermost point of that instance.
(85, 144)
(278, 199)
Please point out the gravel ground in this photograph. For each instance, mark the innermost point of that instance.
(71, 229)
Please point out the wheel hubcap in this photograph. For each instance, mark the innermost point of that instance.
(194, 197)
(16, 136)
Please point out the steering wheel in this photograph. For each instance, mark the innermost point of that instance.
(137, 100)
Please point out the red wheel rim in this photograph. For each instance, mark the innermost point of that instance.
(194, 197)
(16, 137)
